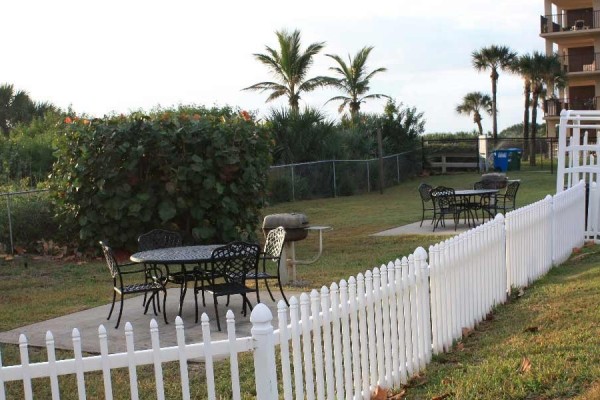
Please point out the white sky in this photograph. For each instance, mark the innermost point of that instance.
(104, 56)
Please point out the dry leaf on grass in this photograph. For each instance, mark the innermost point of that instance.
(398, 396)
(525, 365)
(442, 397)
(380, 394)
(466, 332)
(460, 346)
(531, 329)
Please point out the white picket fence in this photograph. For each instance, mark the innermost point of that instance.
(380, 328)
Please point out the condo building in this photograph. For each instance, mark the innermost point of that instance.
(571, 28)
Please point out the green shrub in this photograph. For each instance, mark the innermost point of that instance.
(198, 170)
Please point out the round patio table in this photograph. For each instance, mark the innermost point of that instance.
(181, 256)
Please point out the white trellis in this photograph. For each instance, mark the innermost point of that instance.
(578, 151)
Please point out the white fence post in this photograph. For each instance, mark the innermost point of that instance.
(264, 353)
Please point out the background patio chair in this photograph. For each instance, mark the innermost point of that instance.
(508, 200)
(160, 239)
(444, 201)
(270, 257)
(122, 275)
(426, 201)
(232, 262)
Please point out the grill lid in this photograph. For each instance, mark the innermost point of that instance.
(287, 220)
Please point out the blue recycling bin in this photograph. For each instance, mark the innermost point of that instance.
(501, 160)
(507, 159)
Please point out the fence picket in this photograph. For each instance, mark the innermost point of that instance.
(52, 365)
(401, 288)
(371, 328)
(385, 311)
(208, 356)
(78, 364)
(317, 343)
(284, 339)
(346, 350)
(306, 346)
(2, 391)
(183, 364)
(377, 297)
(24, 352)
(327, 345)
(407, 318)
(393, 324)
(364, 343)
(233, 359)
(129, 343)
(105, 364)
(296, 348)
(337, 341)
(356, 373)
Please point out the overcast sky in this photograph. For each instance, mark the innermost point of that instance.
(105, 56)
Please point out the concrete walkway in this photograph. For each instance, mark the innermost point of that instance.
(426, 229)
(87, 322)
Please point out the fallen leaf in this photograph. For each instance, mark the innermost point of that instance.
(380, 394)
(20, 250)
(446, 381)
(442, 397)
(460, 346)
(531, 329)
(521, 293)
(466, 332)
(525, 365)
(576, 250)
(398, 396)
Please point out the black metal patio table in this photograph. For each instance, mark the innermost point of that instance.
(181, 256)
(466, 196)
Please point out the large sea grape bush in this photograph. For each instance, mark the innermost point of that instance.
(201, 171)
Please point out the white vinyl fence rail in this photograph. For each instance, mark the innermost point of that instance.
(378, 328)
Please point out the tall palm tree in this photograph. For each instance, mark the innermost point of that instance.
(474, 103)
(493, 58)
(525, 66)
(354, 80)
(289, 66)
(547, 72)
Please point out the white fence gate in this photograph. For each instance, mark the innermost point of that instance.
(578, 160)
(380, 328)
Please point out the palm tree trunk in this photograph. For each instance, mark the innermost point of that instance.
(494, 77)
(534, 106)
(526, 122)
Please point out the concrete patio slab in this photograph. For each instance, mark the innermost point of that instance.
(87, 323)
(426, 229)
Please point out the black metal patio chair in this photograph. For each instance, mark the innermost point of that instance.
(122, 275)
(507, 201)
(229, 266)
(426, 201)
(270, 258)
(445, 203)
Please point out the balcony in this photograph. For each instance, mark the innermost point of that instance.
(574, 20)
(553, 107)
(581, 63)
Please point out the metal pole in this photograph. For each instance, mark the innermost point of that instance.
(398, 166)
(380, 150)
(293, 186)
(552, 156)
(334, 180)
(368, 178)
(12, 251)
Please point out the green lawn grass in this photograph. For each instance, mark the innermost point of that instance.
(563, 351)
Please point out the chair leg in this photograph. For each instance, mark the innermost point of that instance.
(422, 218)
(269, 289)
(281, 290)
(113, 304)
(121, 311)
(257, 291)
(217, 313)
(164, 305)
(196, 303)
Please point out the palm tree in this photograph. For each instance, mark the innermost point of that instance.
(493, 58)
(474, 103)
(354, 80)
(17, 106)
(524, 66)
(289, 66)
(547, 72)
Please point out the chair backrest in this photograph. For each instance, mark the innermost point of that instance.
(443, 197)
(579, 23)
(511, 191)
(274, 243)
(111, 260)
(425, 192)
(158, 239)
(234, 260)
(479, 185)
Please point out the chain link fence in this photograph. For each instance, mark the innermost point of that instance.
(332, 178)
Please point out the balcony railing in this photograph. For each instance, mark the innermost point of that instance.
(581, 62)
(570, 21)
(553, 107)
